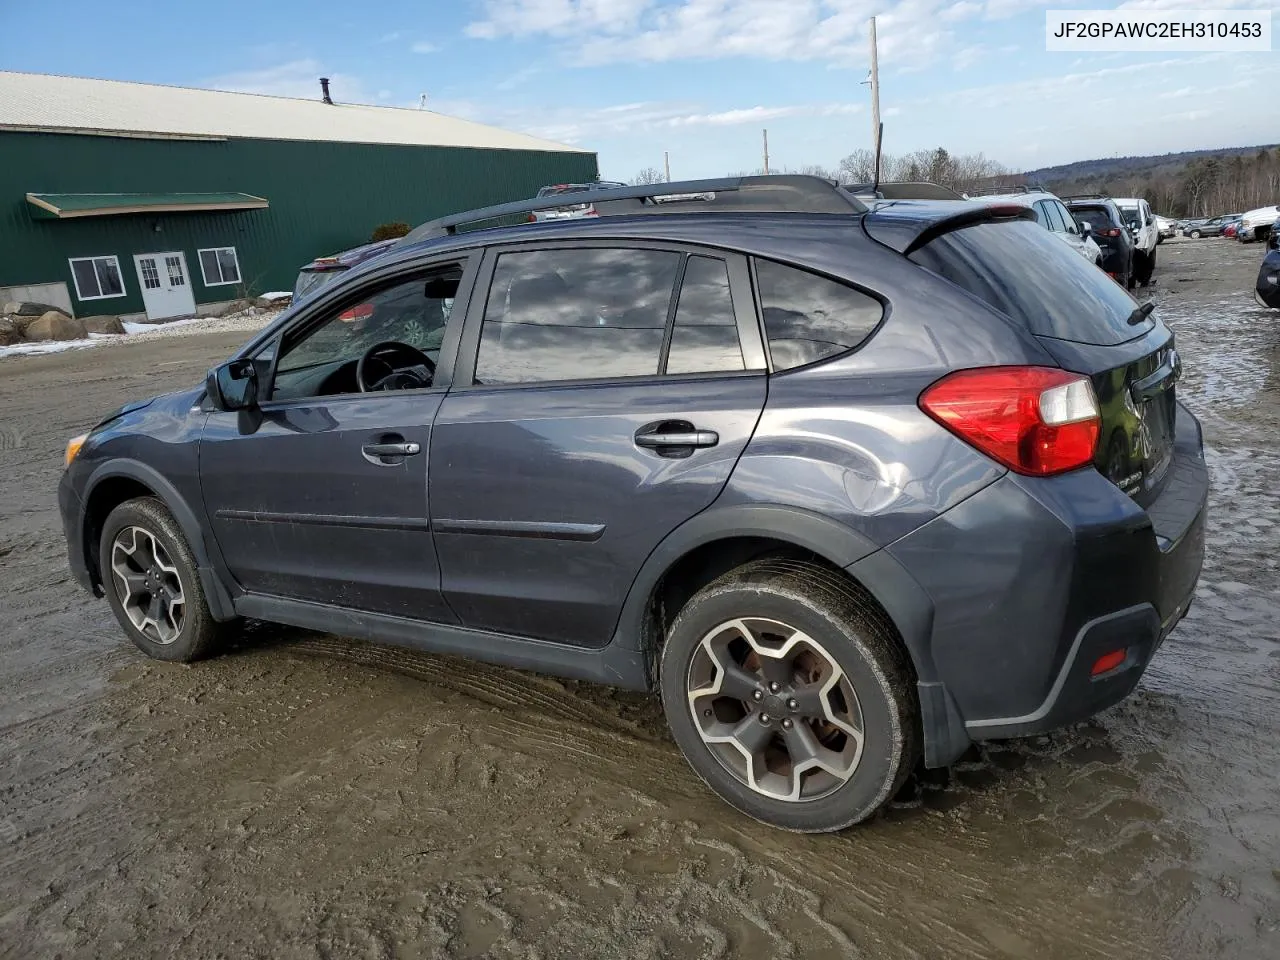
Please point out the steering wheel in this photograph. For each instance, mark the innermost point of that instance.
(399, 359)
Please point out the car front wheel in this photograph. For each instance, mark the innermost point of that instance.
(152, 583)
(789, 693)
(1195, 234)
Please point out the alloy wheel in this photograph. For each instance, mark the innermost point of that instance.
(147, 585)
(776, 709)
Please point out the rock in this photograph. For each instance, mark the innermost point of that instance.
(29, 308)
(55, 325)
(103, 324)
(9, 333)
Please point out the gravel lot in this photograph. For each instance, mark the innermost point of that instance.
(309, 796)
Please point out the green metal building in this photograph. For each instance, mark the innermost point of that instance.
(131, 199)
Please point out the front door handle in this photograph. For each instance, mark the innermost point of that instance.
(691, 438)
(389, 454)
(392, 449)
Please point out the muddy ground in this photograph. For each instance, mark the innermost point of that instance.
(309, 796)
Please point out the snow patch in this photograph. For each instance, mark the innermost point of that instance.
(50, 346)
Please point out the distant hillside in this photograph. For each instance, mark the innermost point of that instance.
(1124, 167)
(1192, 183)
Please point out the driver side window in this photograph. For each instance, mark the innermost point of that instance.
(322, 360)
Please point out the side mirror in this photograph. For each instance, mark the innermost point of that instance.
(233, 385)
(1086, 229)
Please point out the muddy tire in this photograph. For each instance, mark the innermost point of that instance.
(151, 581)
(790, 695)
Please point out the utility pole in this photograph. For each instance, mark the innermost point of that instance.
(875, 100)
(666, 164)
(766, 153)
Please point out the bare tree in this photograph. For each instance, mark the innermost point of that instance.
(648, 175)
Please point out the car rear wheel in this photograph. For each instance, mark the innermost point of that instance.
(791, 697)
(152, 583)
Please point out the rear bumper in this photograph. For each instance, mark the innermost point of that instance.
(1032, 580)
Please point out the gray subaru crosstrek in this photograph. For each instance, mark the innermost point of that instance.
(852, 486)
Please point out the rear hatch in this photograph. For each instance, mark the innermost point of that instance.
(1106, 232)
(1089, 325)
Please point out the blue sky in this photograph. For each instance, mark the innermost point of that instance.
(697, 78)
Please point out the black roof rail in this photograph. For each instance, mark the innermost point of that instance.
(1086, 196)
(994, 191)
(904, 190)
(783, 193)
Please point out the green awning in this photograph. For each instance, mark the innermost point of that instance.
(64, 206)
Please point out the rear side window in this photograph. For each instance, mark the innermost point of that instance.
(705, 336)
(809, 318)
(1035, 279)
(574, 314)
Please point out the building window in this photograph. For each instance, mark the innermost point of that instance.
(97, 278)
(219, 266)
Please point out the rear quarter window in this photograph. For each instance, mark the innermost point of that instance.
(808, 318)
(1036, 279)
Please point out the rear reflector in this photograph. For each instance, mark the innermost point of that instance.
(1108, 662)
(1037, 421)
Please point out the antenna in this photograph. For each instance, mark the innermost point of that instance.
(666, 164)
(766, 153)
(877, 128)
(422, 102)
(875, 186)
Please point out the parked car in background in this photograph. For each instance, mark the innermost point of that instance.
(851, 490)
(1208, 228)
(1267, 289)
(1051, 214)
(1256, 224)
(1146, 237)
(324, 270)
(573, 210)
(1166, 228)
(1108, 230)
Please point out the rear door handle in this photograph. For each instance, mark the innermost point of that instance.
(684, 438)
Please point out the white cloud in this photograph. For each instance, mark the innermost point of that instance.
(424, 46)
(296, 78)
(391, 37)
(967, 57)
(577, 125)
(964, 10)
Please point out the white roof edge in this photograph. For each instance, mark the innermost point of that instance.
(56, 103)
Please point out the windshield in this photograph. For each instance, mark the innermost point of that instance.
(1032, 276)
(310, 281)
(1130, 214)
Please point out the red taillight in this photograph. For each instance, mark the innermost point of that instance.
(1108, 662)
(1035, 420)
(361, 311)
(1112, 232)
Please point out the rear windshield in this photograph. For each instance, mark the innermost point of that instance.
(1130, 214)
(1097, 217)
(1031, 275)
(567, 188)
